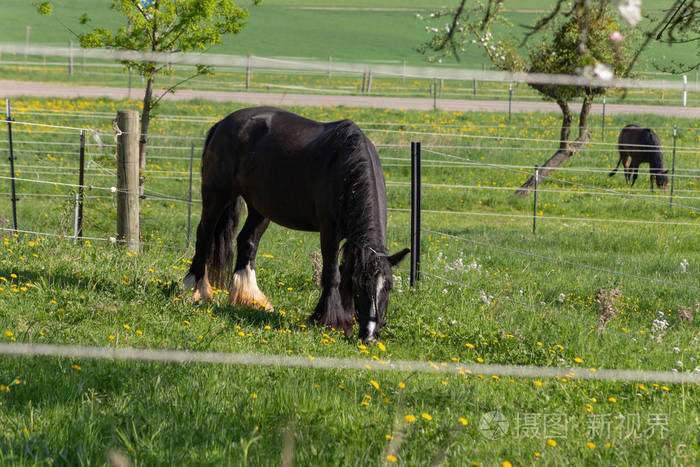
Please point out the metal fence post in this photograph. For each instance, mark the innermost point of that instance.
(673, 165)
(81, 183)
(685, 90)
(415, 213)
(12, 165)
(189, 199)
(602, 135)
(510, 99)
(534, 204)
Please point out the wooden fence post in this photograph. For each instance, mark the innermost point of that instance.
(128, 201)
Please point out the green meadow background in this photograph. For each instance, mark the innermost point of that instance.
(350, 30)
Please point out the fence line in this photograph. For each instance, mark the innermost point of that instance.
(628, 195)
(107, 115)
(332, 363)
(507, 138)
(525, 216)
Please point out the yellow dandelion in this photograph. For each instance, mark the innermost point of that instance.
(381, 346)
(538, 382)
(463, 421)
(77, 367)
(375, 384)
(410, 418)
(578, 360)
(506, 464)
(551, 443)
(391, 458)
(612, 399)
(389, 437)
(590, 445)
(426, 416)
(402, 384)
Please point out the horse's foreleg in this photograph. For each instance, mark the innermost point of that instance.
(329, 311)
(245, 289)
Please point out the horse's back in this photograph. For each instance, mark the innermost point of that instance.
(293, 170)
(637, 135)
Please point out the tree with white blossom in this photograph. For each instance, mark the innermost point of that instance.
(583, 40)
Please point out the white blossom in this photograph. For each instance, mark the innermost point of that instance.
(659, 324)
(630, 10)
(603, 71)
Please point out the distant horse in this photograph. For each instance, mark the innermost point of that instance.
(641, 145)
(304, 175)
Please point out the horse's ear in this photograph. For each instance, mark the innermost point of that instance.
(398, 257)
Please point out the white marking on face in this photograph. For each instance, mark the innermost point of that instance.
(372, 325)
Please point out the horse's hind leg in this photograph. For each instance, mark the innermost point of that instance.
(212, 209)
(245, 289)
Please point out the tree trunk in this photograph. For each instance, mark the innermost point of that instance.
(566, 148)
(143, 140)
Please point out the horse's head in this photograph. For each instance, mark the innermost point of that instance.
(662, 180)
(372, 281)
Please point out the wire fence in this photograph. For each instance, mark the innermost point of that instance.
(328, 363)
(99, 127)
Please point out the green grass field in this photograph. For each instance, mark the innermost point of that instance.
(279, 28)
(534, 310)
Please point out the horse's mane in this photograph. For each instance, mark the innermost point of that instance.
(362, 192)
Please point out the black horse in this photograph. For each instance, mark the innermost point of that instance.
(641, 145)
(304, 175)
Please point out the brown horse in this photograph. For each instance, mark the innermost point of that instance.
(639, 145)
(304, 175)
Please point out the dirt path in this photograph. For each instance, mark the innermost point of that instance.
(38, 89)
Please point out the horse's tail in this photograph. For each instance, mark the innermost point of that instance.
(615, 169)
(220, 258)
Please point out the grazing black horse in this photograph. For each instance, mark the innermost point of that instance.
(641, 145)
(304, 175)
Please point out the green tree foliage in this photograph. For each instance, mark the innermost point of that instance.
(162, 26)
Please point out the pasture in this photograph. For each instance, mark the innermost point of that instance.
(491, 292)
(354, 31)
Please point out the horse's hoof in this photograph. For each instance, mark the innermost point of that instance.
(202, 290)
(189, 281)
